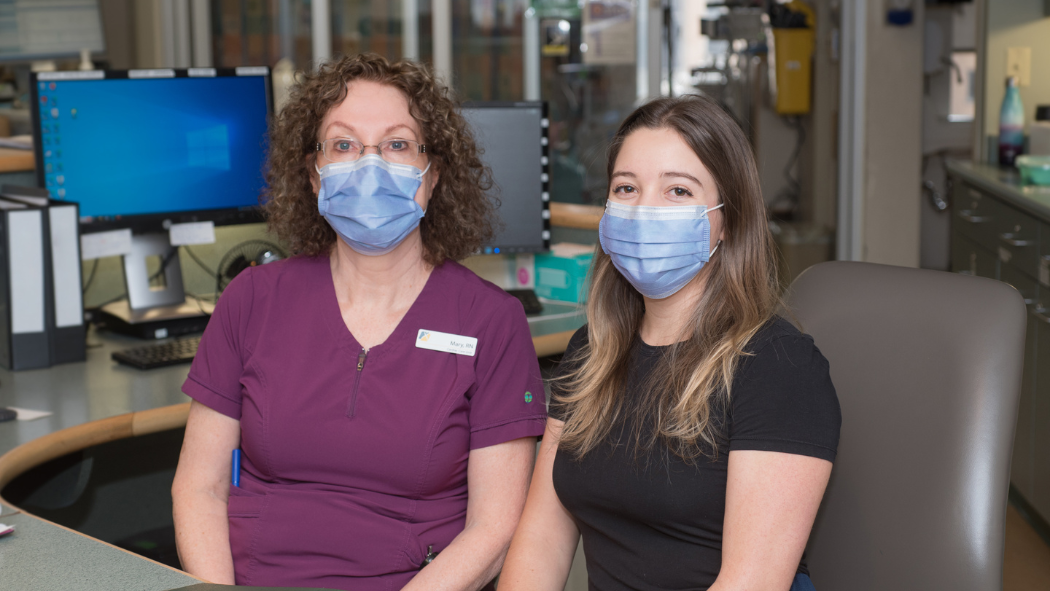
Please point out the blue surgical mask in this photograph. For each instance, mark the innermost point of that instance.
(370, 202)
(657, 249)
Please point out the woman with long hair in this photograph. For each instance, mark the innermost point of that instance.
(691, 430)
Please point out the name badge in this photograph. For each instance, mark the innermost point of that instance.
(445, 342)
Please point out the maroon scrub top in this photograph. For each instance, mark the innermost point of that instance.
(354, 464)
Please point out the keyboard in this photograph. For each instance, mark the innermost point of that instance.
(528, 300)
(173, 352)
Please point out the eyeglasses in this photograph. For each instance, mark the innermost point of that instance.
(342, 149)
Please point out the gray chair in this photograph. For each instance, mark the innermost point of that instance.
(927, 366)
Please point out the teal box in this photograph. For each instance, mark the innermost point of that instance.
(563, 278)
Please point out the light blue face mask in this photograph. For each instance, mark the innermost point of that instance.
(657, 249)
(370, 202)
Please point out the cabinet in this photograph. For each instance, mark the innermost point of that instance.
(993, 238)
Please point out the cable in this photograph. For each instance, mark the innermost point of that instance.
(165, 262)
(199, 262)
(90, 279)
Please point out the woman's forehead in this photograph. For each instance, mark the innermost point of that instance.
(371, 108)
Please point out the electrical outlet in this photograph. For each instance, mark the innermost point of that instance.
(1019, 64)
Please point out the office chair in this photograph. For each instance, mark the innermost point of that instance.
(927, 366)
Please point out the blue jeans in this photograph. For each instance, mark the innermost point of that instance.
(802, 583)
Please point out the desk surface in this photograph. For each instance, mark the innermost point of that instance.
(41, 556)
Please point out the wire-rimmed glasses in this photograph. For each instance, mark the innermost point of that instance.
(395, 151)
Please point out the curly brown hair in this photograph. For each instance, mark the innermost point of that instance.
(459, 218)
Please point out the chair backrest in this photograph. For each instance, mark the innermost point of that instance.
(927, 366)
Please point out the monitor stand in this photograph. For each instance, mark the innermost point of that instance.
(155, 311)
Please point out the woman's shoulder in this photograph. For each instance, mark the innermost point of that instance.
(468, 289)
(774, 329)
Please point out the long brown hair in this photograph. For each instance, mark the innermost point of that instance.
(459, 217)
(740, 295)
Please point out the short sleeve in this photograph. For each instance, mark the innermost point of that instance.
(507, 400)
(784, 401)
(569, 362)
(215, 376)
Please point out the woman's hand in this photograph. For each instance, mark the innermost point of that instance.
(771, 501)
(543, 547)
(199, 494)
(497, 483)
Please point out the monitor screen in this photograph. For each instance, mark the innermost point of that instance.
(513, 137)
(138, 148)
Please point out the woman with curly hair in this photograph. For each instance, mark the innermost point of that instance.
(378, 391)
(692, 431)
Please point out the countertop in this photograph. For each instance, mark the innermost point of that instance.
(80, 392)
(1005, 183)
(42, 556)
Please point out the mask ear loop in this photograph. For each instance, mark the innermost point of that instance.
(706, 211)
(712, 253)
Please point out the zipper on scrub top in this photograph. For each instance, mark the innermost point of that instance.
(361, 357)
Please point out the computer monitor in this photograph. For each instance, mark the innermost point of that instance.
(513, 137)
(146, 149)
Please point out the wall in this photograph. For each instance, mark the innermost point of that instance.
(893, 139)
(1015, 23)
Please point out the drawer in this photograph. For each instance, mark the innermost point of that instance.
(1018, 236)
(970, 258)
(975, 215)
(1042, 261)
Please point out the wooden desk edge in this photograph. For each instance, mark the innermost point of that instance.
(12, 160)
(569, 215)
(552, 344)
(54, 445)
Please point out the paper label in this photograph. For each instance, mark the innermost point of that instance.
(65, 268)
(25, 414)
(192, 233)
(445, 342)
(105, 244)
(26, 267)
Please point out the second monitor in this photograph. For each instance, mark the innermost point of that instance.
(513, 138)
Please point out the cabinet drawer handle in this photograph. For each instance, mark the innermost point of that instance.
(1040, 313)
(973, 219)
(1009, 239)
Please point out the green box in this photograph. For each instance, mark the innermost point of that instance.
(563, 278)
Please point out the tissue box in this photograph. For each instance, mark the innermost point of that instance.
(561, 274)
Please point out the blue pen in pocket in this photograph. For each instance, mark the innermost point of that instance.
(236, 477)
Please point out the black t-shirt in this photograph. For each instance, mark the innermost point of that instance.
(654, 521)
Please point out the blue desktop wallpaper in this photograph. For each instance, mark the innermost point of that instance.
(123, 147)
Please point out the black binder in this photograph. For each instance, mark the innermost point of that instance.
(24, 342)
(63, 296)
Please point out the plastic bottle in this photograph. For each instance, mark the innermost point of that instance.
(1011, 124)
